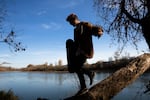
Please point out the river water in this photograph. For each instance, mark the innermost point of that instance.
(59, 85)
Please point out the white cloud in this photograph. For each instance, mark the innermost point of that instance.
(69, 4)
(46, 26)
(42, 12)
(5, 63)
(5, 56)
(52, 25)
(41, 53)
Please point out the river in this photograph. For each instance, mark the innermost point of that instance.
(59, 85)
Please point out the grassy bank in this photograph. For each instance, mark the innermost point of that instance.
(5, 68)
(9, 95)
(98, 66)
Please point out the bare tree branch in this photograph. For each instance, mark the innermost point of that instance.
(126, 21)
(123, 10)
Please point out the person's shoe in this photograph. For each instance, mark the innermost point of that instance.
(91, 77)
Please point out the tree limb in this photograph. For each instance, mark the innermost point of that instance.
(123, 10)
(113, 84)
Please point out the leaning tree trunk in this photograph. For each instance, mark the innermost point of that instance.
(145, 23)
(112, 85)
(147, 38)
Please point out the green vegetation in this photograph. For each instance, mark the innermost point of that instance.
(9, 95)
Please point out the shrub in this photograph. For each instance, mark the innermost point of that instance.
(8, 95)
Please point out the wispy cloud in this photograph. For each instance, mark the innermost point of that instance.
(5, 56)
(52, 25)
(42, 12)
(41, 53)
(45, 53)
(4, 59)
(4, 63)
(69, 4)
(46, 26)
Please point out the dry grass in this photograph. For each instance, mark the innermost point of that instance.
(44, 67)
(98, 66)
(3, 68)
(9, 95)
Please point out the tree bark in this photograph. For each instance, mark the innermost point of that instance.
(113, 84)
(146, 30)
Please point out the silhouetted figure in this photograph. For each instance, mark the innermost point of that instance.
(81, 48)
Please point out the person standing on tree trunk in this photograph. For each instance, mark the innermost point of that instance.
(81, 48)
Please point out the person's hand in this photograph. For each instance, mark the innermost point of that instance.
(100, 33)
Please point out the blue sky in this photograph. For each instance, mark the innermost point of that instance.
(41, 26)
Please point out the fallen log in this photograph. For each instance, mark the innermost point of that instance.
(109, 87)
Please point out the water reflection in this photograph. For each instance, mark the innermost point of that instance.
(56, 86)
(135, 90)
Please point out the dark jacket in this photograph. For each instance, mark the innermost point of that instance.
(83, 38)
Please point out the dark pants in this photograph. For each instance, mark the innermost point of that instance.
(75, 63)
